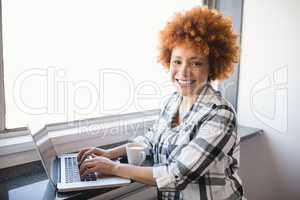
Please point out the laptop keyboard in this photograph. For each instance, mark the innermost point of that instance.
(72, 171)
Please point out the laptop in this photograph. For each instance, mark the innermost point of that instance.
(63, 170)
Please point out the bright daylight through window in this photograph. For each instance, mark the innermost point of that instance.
(68, 60)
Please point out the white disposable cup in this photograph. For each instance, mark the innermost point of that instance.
(136, 153)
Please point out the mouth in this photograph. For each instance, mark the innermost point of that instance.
(185, 83)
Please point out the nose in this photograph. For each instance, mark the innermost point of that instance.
(184, 69)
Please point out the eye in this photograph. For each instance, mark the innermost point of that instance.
(177, 62)
(197, 64)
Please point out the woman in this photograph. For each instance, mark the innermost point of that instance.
(194, 143)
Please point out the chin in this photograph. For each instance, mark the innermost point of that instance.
(184, 92)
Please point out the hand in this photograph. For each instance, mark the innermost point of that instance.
(85, 152)
(98, 164)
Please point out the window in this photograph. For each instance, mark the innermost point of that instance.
(68, 60)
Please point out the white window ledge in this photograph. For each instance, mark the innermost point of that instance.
(17, 147)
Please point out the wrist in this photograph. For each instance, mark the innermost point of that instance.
(109, 153)
(116, 169)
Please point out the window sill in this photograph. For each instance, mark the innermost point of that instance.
(17, 147)
(248, 132)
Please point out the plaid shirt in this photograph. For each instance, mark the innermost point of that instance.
(199, 158)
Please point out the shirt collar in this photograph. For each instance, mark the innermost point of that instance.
(204, 99)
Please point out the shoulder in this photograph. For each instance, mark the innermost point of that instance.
(216, 100)
(214, 106)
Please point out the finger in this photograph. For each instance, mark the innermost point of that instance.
(103, 159)
(84, 163)
(86, 154)
(81, 152)
(85, 166)
(88, 171)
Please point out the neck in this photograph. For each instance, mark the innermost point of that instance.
(188, 101)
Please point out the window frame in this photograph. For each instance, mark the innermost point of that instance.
(233, 8)
(2, 96)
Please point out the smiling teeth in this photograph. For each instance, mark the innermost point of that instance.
(184, 82)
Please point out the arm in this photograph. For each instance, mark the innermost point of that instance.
(108, 153)
(137, 173)
(104, 165)
(100, 163)
(117, 151)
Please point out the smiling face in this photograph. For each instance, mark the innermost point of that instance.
(188, 70)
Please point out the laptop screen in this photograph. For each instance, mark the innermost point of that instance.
(47, 153)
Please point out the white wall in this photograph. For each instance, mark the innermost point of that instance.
(269, 99)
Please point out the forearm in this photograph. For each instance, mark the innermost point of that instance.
(137, 173)
(118, 151)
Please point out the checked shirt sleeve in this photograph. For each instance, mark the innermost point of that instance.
(213, 139)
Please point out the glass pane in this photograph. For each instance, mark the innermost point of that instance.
(73, 59)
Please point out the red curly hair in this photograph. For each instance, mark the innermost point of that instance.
(206, 30)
